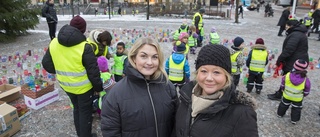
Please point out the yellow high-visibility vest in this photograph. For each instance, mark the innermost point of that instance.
(71, 73)
(187, 49)
(293, 92)
(234, 66)
(214, 38)
(118, 66)
(192, 41)
(176, 72)
(258, 60)
(104, 77)
(200, 25)
(95, 48)
(176, 35)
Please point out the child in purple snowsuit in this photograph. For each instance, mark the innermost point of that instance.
(295, 86)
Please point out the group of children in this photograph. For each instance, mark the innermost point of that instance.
(295, 84)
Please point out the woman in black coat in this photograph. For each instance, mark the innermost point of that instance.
(294, 47)
(49, 12)
(211, 106)
(142, 104)
(282, 21)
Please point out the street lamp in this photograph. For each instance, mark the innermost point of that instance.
(109, 9)
(148, 9)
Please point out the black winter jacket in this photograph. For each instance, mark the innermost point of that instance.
(284, 18)
(232, 115)
(69, 36)
(316, 16)
(294, 47)
(49, 12)
(131, 107)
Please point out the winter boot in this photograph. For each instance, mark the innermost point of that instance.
(275, 96)
(258, 91)
(249, 90)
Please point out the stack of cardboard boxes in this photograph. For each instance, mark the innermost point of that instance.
(9, 119)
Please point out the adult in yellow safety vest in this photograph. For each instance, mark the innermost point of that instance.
(197, 21)
(256, 62)
(214, 36)
(77, 71)
(295, 86)
(177, 67)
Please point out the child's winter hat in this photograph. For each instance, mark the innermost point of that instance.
(217, 55)
(93, 35)
(238, 41)
(79, 23)
(300, 65)
(260, 41)
(183, 35)
(102, 63)
(202, 11)
(213, 30)
(181, 47)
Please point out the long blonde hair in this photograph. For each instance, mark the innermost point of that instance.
(148, 41)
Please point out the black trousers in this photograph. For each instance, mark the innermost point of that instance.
(82, 112)
(236, 79)
(282, 28)
(52, 30)
(255, 80)
(296, 108)
(178, 84)
(199, 40)
(315, 26)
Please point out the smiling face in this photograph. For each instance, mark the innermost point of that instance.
(184, 40)
(211, 79)
(146, 60)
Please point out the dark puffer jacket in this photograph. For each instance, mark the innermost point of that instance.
(69, 36)
(49, 12)
(294, 47)
(284, 17)
(131, 107)
(232, 115)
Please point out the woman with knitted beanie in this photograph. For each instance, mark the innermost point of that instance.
(210, 106)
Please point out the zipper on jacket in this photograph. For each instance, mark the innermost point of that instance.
(154, 110)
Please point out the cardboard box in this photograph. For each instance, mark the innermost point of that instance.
(9, 120)
(9, 93)
(42, 101)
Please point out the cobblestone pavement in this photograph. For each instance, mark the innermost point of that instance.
(56, 119)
